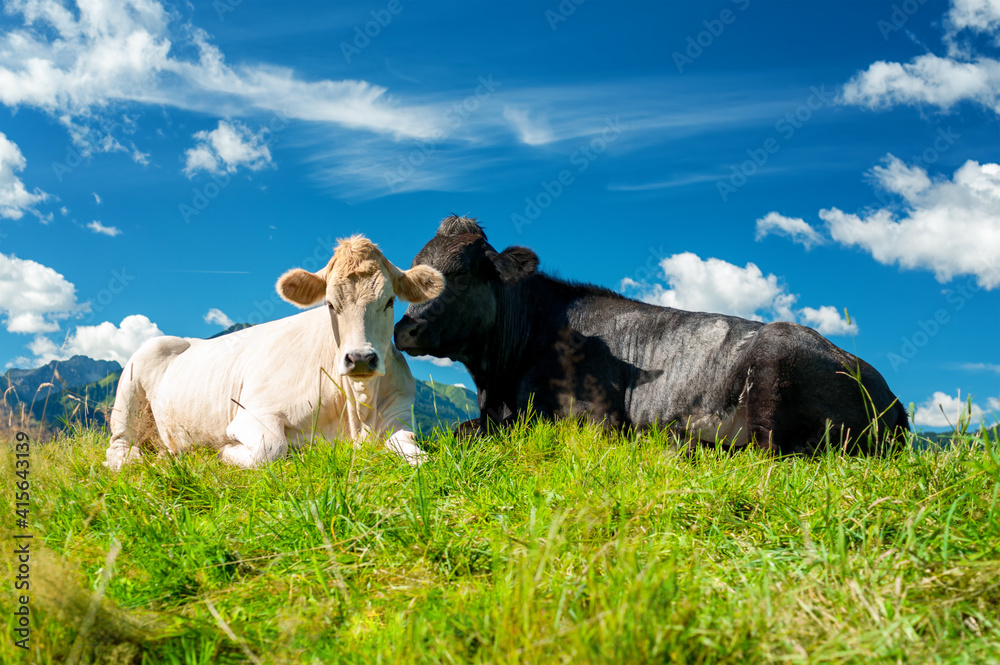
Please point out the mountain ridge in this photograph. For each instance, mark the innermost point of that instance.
(78, 370)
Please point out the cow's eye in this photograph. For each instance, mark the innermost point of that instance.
(329, 305)
(388, 305)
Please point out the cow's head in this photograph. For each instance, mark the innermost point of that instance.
(358, 287)
(459, 320)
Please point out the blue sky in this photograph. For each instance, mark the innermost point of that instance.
(162, 164)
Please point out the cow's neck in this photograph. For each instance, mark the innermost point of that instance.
(498, 364)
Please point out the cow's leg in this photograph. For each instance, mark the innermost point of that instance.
(130, 409)
(256, 440)
(403, 442)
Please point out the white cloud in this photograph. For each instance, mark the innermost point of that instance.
(828, 321)
(15, 200)
(97, 198)
(939, 81)
(97, 227)
(226, 148)
(64, 210)
(951, 227)
(34, 296)
(440, 362)
(943, 410)
(95, 61)
(714, 285)
(928, 79)
(977, 15)
(792, 227)
(459, 160)
(215, 315)
(460, 385)
(105, 341)
(529, 131)
(981, 367)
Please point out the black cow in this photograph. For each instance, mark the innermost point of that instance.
(572, 349)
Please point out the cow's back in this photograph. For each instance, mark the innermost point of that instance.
(680, 363)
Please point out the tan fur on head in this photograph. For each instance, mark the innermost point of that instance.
(358, 260)
(354, 256)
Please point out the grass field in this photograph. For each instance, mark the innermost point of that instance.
(555, 544)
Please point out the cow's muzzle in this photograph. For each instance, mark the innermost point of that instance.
(405, 334)
(360, 363)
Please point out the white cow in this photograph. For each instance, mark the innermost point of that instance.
(330, 370)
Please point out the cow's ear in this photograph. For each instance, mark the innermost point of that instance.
(418, 284)
(515, 263)
(301, 287)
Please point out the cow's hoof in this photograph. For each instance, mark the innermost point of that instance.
(416, 459)
(116, 458)
(469, 429)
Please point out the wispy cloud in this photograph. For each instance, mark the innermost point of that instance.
(439, 362)
(15, 199)
(112, 56)
(665, 184)
(532, 131)
(476, 151)
(82, 66)
(97, 227)
(205, 272)
(980, 367)
(792, 227)
(217, 316)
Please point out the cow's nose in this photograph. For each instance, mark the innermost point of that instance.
(404, 334)
(362, 363)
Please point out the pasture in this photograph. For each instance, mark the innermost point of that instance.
(555, 543)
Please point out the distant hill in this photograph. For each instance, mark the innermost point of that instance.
(944, 439)
(88, 404)
(231, 329)
(442, 405)
(22, 385)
